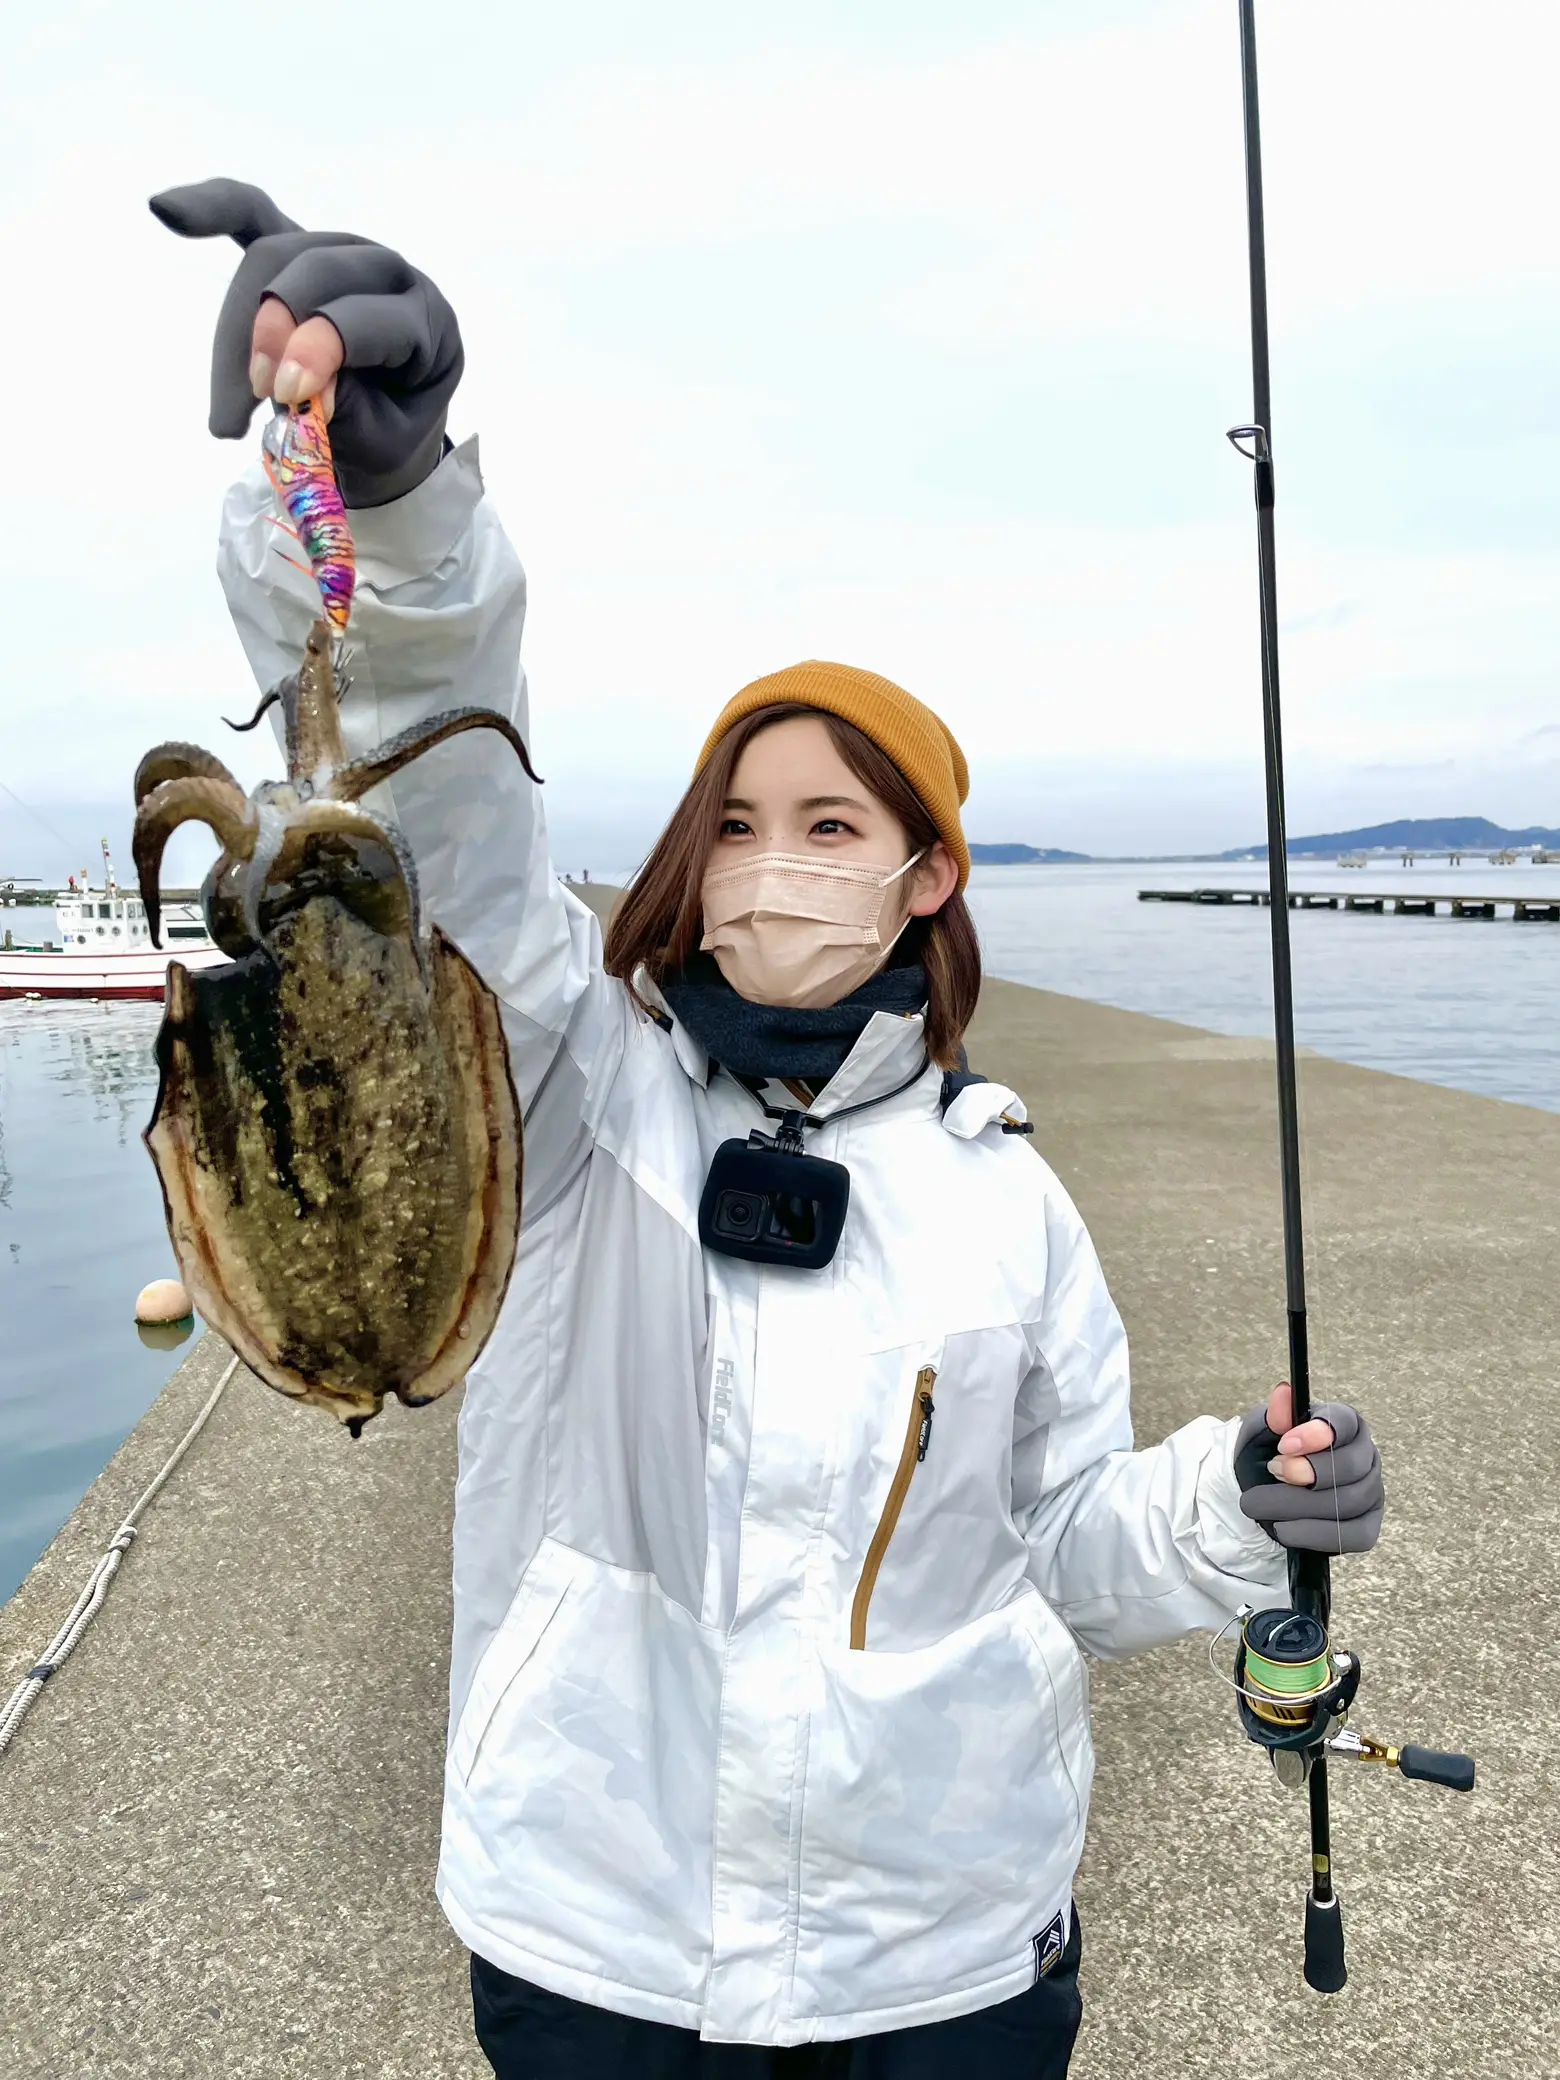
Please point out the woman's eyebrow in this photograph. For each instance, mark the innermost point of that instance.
(812, 801)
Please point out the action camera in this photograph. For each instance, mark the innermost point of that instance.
(768, 1203)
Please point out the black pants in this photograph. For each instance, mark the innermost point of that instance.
(529, 2034)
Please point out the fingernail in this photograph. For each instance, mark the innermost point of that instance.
(291, 386)
(1278, 1468)
(261, 371)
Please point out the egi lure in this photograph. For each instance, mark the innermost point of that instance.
(297, 459)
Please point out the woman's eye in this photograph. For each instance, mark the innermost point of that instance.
(830, 827)
(734, 827)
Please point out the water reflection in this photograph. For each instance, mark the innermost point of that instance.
(102, 1051)
(165, 1336)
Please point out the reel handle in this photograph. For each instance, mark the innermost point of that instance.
(1431, 1766)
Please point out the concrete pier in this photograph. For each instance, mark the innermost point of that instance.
(218, 1826)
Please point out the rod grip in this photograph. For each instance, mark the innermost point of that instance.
(1430, 1766)
(1324, 1966)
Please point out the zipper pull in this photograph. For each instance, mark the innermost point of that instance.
(925, 1380)
(928, 1410)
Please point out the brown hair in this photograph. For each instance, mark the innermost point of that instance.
(660, 921)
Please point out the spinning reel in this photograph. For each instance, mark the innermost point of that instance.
(1293, 1694)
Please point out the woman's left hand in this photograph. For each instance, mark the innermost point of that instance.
(1316, 1488)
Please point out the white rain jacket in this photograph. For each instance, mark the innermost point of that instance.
(768, 1715)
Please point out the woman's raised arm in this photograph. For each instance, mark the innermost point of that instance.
(436, 624)
(439, 605)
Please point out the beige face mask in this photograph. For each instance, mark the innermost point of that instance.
(786, 929)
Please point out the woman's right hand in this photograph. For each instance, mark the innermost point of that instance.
(326, 314)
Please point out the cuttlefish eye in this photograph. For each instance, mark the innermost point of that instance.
(222, 903)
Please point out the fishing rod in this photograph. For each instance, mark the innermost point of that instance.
(1293, 1689)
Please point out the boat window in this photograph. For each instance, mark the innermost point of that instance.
(103, 910)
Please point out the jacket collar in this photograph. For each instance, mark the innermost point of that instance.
(886, 1054)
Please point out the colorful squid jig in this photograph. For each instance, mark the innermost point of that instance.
(297, 458)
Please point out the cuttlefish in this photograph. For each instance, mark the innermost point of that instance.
(336, 1130)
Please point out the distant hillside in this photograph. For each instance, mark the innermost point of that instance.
(1409, 834)
(1019, 855)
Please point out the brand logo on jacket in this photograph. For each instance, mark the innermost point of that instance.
(720, 1403)
(1049, 1945)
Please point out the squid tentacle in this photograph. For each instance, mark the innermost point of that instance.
(354, 779)
(267, 701)
(193, 798)
(286, 693)
(176, 761)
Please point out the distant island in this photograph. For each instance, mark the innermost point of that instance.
(1021, 855)
(1409, 834)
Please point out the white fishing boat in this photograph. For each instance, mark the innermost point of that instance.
(102, 946)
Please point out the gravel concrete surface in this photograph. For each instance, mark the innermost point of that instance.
(219, 1822)
(218, 1826)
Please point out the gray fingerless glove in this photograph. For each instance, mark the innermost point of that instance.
(403, 350)
(1342, 1513)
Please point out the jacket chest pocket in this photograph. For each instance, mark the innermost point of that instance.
(912, 1453)
(923, 1501)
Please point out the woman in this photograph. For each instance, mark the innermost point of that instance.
(769, 1721)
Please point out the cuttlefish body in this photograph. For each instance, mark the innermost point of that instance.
(336, 1131)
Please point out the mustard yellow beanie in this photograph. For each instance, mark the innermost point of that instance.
(904, 728)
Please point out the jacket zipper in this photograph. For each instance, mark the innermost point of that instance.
(918, 1438)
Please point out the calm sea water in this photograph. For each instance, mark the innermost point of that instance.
(1463, 1001)
(1466, 1003)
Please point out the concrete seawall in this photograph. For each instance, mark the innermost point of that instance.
(218, 1826)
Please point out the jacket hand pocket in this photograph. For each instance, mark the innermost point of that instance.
(542, 1589)
(946, 1792)
(578, 1802)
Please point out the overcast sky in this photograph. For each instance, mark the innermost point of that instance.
(888, 331)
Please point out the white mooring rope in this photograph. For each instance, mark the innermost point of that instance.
(90, 1601)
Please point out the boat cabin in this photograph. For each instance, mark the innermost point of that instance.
(108, 920)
